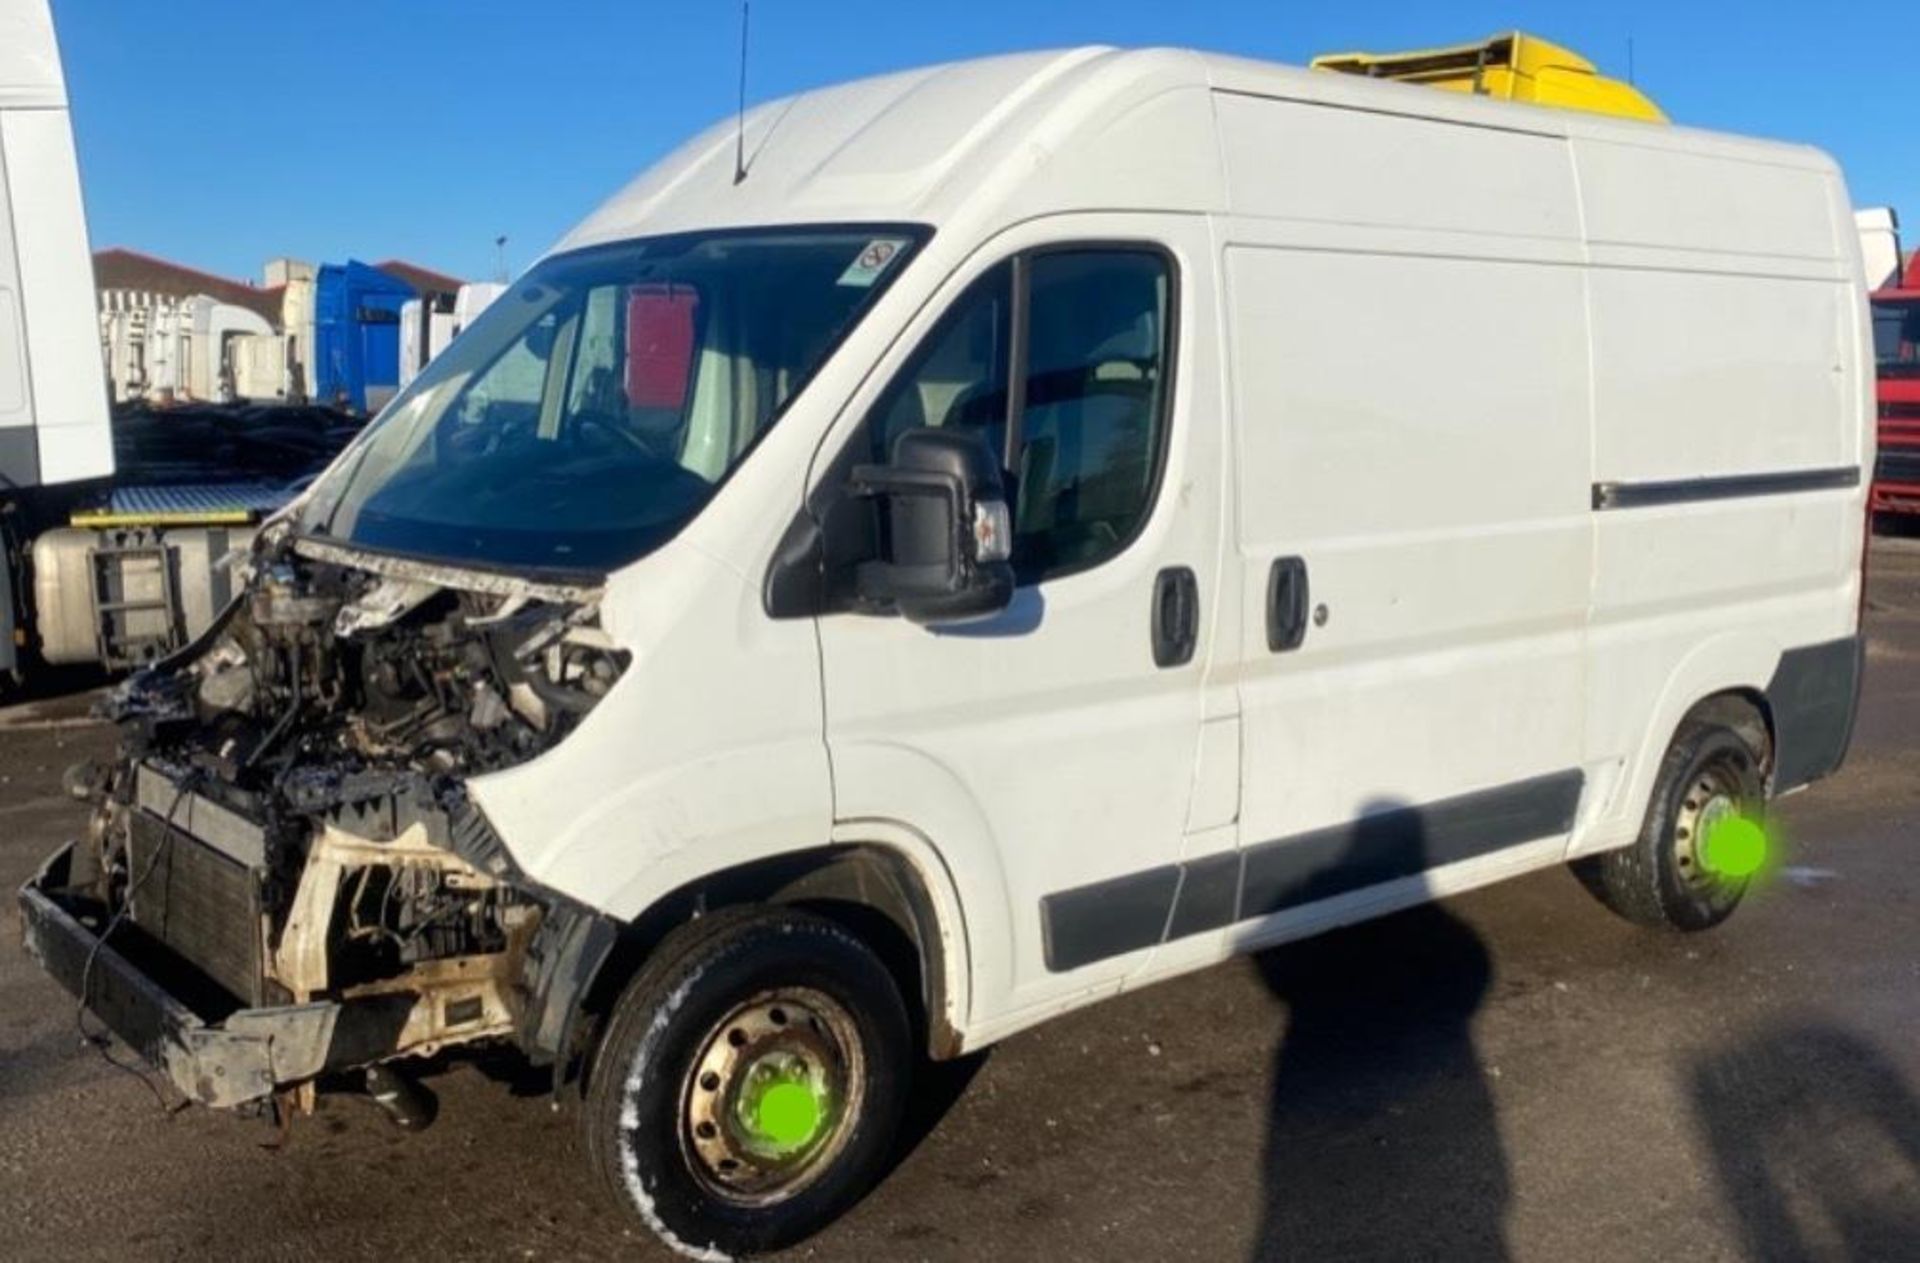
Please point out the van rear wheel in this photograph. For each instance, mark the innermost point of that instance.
(750, 1083)
(1710, 773)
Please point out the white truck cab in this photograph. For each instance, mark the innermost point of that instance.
(1035, 527)
(53, 402)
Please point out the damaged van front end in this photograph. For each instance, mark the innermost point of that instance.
(288, 870)
(284, 875)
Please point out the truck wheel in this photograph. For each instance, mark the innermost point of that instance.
(750, 1083)
(1662, 879)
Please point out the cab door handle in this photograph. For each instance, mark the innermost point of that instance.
(1176, 616)
(1287, 604)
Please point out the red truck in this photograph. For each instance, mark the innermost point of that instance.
(1896, 341)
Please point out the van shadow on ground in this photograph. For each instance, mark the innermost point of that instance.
(1816, 1140)
(1381, 1135)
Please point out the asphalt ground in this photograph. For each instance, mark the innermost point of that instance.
(1512, 1074)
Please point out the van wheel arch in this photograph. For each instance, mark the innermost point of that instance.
(873, 891)
(1746, 712)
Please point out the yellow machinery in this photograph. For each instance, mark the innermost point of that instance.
(1514, 67)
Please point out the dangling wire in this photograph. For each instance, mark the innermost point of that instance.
(103, 1042)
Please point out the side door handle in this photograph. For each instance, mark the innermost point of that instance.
(1287, 604)
(1176, 616)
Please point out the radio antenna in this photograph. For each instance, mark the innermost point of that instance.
(740, 120)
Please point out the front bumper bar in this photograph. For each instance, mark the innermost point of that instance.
(249, 1055)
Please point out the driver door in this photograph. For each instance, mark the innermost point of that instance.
(1049, 751)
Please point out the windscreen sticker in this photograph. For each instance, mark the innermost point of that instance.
(874, 260)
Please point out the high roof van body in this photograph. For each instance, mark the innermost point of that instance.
(983, 539)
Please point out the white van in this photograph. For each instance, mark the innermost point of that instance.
(982, 540)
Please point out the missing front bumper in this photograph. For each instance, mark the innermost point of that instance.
(249, 1054)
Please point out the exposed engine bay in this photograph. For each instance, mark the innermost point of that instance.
(286, 822)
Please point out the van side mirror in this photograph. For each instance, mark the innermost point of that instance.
(948, 534)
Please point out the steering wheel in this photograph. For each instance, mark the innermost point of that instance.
(604, 431)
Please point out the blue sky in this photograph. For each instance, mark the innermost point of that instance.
(221, 132)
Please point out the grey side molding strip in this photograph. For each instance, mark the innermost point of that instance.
(1646, 495)
(1161, 905)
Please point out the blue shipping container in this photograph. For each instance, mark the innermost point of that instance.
(356, 334)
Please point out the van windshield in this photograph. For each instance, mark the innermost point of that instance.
(598, 404)
(1896, 338)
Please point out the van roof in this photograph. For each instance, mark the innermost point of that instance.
(1024, 134)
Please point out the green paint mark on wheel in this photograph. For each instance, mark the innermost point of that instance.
(1734, 847)
(788, 1114)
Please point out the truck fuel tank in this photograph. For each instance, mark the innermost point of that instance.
(124, 596)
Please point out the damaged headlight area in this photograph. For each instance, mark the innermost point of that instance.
(327, 669)
(284, 874)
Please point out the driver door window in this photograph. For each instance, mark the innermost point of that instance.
(1076, 407)
(958, 377)
(1094, 407)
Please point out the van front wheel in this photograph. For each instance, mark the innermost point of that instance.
(1664, 878)
(750, 1083)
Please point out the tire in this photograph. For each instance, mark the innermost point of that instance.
(768, 1038)
(1659, 880)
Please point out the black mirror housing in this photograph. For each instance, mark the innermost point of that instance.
(948, 529)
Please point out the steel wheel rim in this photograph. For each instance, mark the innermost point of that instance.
(770, 1098)
(1713, 795)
